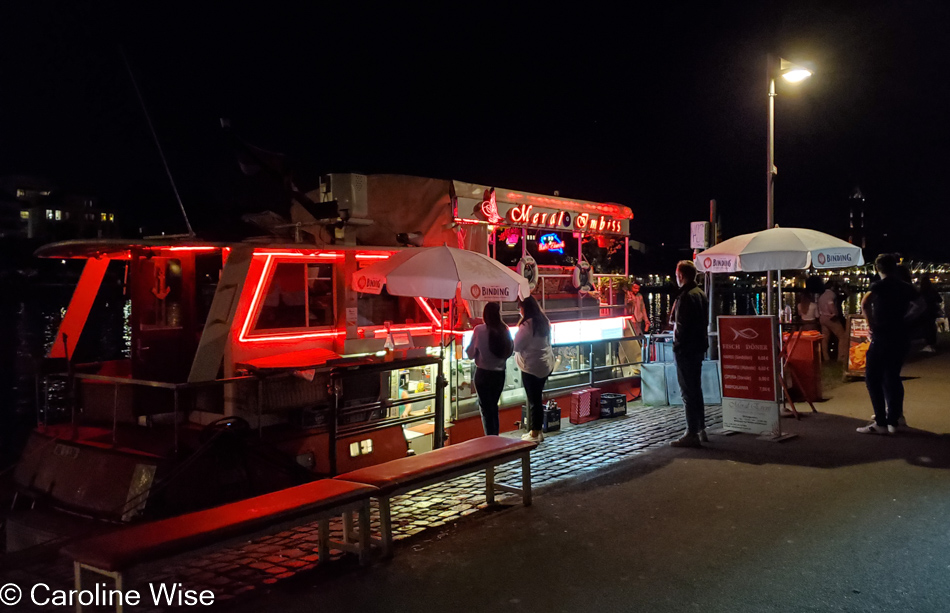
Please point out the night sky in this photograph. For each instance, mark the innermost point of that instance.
(658, 108)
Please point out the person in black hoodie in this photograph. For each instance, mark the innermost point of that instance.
(889, 305)
(690, 342)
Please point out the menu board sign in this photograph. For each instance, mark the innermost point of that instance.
(859, 340)
(747, 356)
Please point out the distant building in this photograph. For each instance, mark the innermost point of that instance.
(857, 235)
(38, 209)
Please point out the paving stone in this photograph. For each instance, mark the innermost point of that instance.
(575, 450)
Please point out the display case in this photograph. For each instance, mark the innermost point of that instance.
(585, 352)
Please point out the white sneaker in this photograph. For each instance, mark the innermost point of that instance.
(873, 428)
(901, 422)
(534, 439)
(892, 429)
(929, 349)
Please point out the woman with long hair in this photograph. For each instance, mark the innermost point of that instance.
(491, 346)
(808, 311)
(535, 358)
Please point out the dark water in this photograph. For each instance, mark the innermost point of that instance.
(31, 309)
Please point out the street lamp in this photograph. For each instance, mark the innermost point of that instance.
(793, 73)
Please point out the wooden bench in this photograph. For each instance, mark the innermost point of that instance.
(114, 553)
(406, 474)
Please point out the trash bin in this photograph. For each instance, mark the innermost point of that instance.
(805, 361)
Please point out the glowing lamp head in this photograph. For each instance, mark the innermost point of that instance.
(796, 75)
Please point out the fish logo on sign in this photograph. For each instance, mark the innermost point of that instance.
(821, 259)
(361, 283)
(746, 333)
(476, 291)
(707, 262)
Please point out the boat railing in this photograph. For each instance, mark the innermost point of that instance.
(342, 420)
(72, 382)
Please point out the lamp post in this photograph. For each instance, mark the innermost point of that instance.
(792, 73)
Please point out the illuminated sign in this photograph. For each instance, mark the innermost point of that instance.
(596, 223)
(526, 215)
(571, 332)
(489, 208)
(551, 242)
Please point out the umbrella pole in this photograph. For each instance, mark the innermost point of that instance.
(438, 429)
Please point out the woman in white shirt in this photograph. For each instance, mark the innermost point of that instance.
(490, 347)
(536, 360)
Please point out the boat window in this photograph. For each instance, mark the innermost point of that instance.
(298, 296)
(320, 295)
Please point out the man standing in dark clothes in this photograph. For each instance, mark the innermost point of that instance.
(888, 307)
(690, 342)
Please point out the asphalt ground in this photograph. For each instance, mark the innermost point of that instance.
(831, 520)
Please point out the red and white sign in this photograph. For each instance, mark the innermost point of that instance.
(748, 361)
(479, 291)
(369, 284)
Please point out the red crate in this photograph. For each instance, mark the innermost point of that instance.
(585, 406)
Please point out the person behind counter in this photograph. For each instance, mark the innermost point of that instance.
(808, 305)
(535, 358)
(491, 346)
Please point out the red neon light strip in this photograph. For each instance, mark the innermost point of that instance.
(615, 210)
(254, 301)
(293, 337)
(429, 311)
(403, 328)
(326, 255)
(188, 248)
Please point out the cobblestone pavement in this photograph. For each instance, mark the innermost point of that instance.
(258, 564)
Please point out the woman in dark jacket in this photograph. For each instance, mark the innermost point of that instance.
(491, 346)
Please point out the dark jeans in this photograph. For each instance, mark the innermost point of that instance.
(489, 385)
(930, 332)
(882, 376)
(534, 390)
(689, 373)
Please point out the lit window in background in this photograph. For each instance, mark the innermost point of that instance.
(102, 216)
(111, 217)
(49, 214)
(24, 214)
(59, 215)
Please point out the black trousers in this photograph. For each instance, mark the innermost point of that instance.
(488, 385)
(534, 390)
(930, 332)
(689, 373)
(882, 376)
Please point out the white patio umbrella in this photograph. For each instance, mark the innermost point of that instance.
(441, 272)
(779, 249)
(437, 272)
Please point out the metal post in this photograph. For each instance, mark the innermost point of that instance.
(590, 364)
(438, 433)
(260, 407)
(711, 285)
(770, 201)
(626, 256)
(115, 413)
(45, 401)
(37, 400)
(337, 385)
(175, 425)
